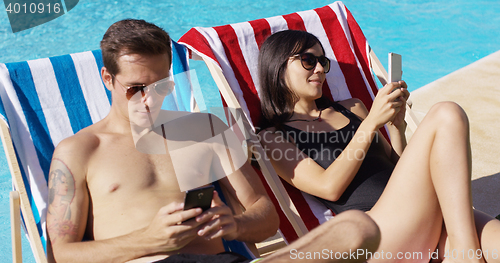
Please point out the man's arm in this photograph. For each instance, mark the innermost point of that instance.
(259, 220)
(69, 207)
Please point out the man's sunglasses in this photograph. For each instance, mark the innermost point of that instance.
(162, 87)
(309, 61)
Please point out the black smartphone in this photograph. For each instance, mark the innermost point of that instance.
(199, 197)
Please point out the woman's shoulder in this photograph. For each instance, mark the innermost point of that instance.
(271, 134)
(268, 130)
(355, 105)
(350, 103)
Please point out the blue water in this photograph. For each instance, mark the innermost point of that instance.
(435, 38)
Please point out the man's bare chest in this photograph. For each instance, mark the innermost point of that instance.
(124, 169)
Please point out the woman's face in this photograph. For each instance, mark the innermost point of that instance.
(63, 187)
(307, 84)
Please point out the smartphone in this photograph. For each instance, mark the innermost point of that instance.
(199, 197)
(395, 67)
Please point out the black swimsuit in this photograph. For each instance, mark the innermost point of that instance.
(324, 147)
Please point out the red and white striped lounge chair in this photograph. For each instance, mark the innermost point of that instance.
(231, 54)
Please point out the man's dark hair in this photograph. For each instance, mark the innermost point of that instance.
(132, 36)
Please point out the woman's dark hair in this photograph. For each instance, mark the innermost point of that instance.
(132, 36)
(56, 180)
(277, 99)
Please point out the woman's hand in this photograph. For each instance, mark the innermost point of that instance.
(389, 105)
(399, 119)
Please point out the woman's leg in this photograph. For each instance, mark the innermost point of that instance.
(431, 182)
(488, 231)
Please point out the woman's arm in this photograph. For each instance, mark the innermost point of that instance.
(398, 141)
(397, 126)
(396, 133)
(305, 174)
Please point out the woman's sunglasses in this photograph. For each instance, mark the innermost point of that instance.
(162, 87)
(309, 61)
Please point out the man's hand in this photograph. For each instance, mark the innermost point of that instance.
(168, 231)
(222, 222)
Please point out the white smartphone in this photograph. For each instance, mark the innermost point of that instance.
(395, 67)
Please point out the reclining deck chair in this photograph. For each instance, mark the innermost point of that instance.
(46, 100)
(231, 53)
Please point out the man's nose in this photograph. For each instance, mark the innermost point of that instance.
(150, 98)
(145, 95)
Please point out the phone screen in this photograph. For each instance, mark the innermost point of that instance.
(199, 197)
(395, 67)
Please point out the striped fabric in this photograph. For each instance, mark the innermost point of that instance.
(234, 48)
(46, 100)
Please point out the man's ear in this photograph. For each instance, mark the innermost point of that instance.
(107, 78)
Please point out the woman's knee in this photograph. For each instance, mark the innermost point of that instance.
(448, 112)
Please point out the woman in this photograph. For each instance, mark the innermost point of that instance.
(60, 196)
(335, 152)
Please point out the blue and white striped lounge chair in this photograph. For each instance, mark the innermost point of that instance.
(46, 100)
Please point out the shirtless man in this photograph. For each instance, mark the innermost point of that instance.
(125, 204)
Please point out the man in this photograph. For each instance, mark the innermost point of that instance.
(124, 202)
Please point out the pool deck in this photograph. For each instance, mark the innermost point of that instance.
(476, 88)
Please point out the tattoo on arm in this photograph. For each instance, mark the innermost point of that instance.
(61, 195)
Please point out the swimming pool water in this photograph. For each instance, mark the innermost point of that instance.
(435, 37)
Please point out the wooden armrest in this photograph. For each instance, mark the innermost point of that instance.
(271, 244)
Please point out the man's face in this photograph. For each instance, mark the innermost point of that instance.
(137, 70)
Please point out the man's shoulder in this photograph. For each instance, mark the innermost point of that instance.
(74, 153)
(79, 145)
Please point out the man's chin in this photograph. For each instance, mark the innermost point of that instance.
(145, 124)
(144, 120)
